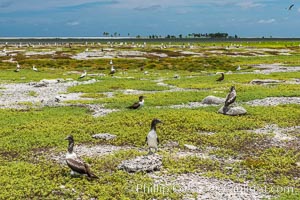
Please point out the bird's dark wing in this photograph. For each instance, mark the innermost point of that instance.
(221, 78)
(230, 99)
(134, 106)
(291, 6)
(76, 166)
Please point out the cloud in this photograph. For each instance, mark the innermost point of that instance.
(73, 23)
(37, 5)
(153, 7)
(249, 4)
(5, 4)
(88, 5)
(266, 21)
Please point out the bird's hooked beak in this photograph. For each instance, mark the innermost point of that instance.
(68, 138)
(158, 121)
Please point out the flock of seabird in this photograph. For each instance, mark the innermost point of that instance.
(77, 166)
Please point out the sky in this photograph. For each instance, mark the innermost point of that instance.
(90, 18)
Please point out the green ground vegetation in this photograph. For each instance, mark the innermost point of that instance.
(28, 138)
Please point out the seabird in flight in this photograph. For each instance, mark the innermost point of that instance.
(138, 104)
(291, 6)
(222, 76)
(83, 74)
(152, 139)
(74, 163)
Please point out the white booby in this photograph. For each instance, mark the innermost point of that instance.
(230, 97)
(34, 68)
(74, 163)
(112, 70)
(138, 104)
(238, 68)
(83, 74)
(111, 62)
(17, 68)
(222, 76)
(152, 139)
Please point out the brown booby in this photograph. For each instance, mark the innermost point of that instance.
(74, 163)
(230, 99)
(138, 104)
(222, 76)
(152, 139)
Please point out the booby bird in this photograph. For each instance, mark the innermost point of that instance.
(83, 74)
(112, 70)
(238, 68)
(152, 139)
(291, 6)
(111, 62)
(34, 68)
(230, 97)
(138, 104)
(222, 76)
(74, 163)
(17, 68)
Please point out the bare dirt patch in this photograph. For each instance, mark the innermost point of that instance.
(274, 101)
(88, 151)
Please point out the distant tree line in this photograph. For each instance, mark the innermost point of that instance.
(190, 35)
(197, 35)
(209, 35)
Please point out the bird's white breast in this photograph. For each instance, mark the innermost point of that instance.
(141, 103)
(71, 155)
(152, 139)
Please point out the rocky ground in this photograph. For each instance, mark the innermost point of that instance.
(195, 186)
(45, 93)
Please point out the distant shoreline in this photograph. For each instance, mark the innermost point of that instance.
(132, 39)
